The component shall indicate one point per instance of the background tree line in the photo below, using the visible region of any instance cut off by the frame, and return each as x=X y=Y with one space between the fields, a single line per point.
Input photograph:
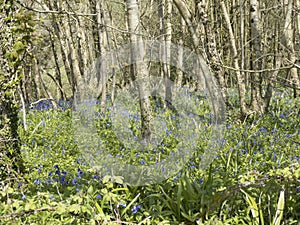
x=47 y=47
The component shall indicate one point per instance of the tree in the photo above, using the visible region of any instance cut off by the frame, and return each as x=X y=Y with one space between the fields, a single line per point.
x=139 y=67
x=15 y=40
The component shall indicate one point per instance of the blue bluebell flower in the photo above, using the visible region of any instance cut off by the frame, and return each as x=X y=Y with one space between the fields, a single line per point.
x=99 y=196
x=193 y=167
x=64 y=173
x=36 y=181
x=135 y=209
x=74 y=180
x=288 y=135
x=79 y=172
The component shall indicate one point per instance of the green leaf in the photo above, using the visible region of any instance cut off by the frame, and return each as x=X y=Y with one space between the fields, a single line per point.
x=253 y=207
x=279 y=212
x=61 y=209
x=90 y=190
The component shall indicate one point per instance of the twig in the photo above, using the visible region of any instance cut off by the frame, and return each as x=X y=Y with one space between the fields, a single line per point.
x=55 y=12
x=256 y=71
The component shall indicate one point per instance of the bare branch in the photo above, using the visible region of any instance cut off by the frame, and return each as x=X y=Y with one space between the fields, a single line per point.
x=55 y=12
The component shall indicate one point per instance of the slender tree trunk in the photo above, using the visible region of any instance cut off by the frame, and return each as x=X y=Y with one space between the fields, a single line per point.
x=217 y=102
x=58 y=81
x=36 y=79
x=289 y=38
x=240 y=78
x=58 y=30
x=73 y=56
x=179 y=72
x=210 y=43
x=257 y=102
x=140 y=68
x=165 y=12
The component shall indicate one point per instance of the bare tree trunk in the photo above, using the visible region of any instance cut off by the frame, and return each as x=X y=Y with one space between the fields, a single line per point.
x=180 y=53
x=73 y=56
x=36 y=78
x=102 y=39
x=58 y=81
x=217 y=103
x=277 y=61
x=240 y=77
x=211 y=49
x=289 y=38
x=257 y=102
x=165 y=12
x=140 y=68
x=57 y=25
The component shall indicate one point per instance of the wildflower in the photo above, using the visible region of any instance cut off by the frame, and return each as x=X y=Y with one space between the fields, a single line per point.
x=56 y=167
x=36 y=181
x=99 y=196
x=64 y=173
x=20 y=184
x=135 y=209
x=200 y=180
x=23 y=196
x=79 y=172
x=282 y=116
x=143 y=162
x=63 y=179
x=74 y=181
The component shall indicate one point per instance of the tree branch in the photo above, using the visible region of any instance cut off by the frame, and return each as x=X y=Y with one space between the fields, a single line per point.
x=55 y=12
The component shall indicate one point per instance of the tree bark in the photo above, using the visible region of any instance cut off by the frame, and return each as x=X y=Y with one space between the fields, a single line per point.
x=257 y=103
x=240 y=78
x=292 y=57
x=139 y=66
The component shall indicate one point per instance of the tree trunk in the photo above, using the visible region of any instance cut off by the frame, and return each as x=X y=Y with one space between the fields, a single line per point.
x=257 y=103
x=292 y=57
x=165 y=13
x=210 y=43
x=240 y=78
x=139 y=66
